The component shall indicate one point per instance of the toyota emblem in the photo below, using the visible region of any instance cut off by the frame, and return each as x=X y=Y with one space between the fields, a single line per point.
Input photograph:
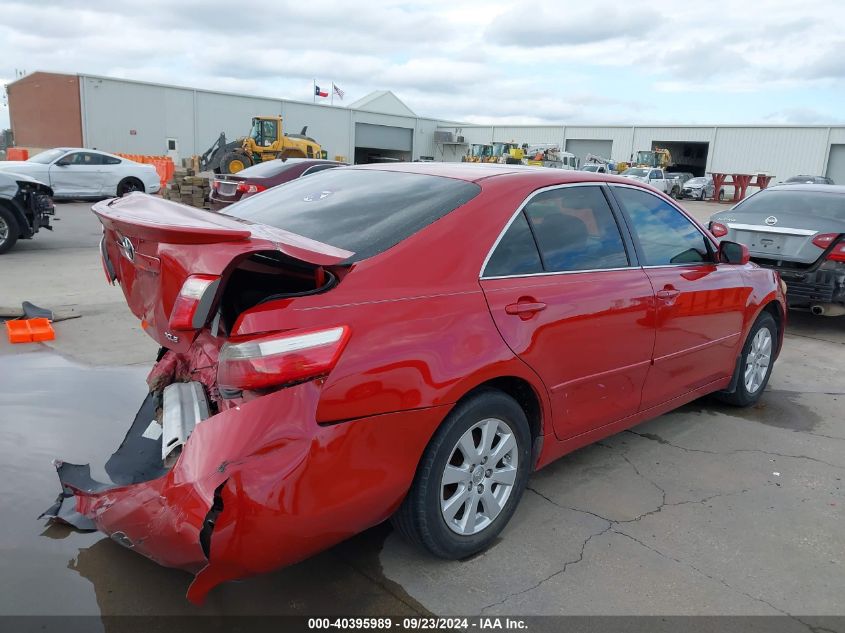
x=126 y=248
x=771 y=220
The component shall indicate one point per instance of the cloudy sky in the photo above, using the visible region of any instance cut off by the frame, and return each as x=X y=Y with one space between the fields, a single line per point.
x=766 y=61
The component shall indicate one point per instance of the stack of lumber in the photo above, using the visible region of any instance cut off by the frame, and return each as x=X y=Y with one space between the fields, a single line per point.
x=188 y=188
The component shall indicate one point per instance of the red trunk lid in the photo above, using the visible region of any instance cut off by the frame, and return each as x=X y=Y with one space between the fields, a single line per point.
x=154 y=245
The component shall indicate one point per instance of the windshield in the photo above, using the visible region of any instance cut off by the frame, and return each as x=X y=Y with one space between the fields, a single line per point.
x=830 y=206
x=697 y=181
x=360 y=210
x=47 y=156
x=645 y=157
x=481 y=150
x=635 y=171
x=590 y=168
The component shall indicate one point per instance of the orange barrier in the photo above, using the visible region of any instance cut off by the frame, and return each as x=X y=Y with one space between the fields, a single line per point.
x=29 y=330
x=163 y=164
x=17 y=153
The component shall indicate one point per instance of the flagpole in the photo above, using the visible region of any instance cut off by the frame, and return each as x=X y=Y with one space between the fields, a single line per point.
x=332 y=103
x=314 y=90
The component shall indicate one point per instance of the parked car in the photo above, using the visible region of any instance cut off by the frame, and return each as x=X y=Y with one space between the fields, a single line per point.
x=78 y=173
x=657 y=178
x=680 y=176
x=595 y=168
x=409 y=340
x=809 y=180
x=701 y=188
x=799 y=232
x=229 y=188
x=26 y=206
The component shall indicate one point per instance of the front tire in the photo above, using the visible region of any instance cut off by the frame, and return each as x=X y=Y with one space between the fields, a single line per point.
x=702 y=197
x=755 y=363
x=233 y=162
x=129 y=185
x=470 y=479
x=9 y=230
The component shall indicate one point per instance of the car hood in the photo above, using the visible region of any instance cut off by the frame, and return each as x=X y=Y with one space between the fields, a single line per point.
x=12 y=165
x=779 y=235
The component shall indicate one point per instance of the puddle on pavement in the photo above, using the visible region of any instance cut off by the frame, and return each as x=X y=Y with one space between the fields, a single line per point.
x=781 y=409
x=52 y=408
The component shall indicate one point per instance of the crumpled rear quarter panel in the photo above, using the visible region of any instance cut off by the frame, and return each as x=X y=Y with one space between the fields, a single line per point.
x=292 y=487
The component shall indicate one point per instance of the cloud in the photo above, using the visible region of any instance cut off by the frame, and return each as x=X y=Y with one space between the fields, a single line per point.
x=555 y=24
x=469 y=60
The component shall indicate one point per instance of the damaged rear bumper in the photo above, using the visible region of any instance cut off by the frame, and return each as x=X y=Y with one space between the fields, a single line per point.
x=257 y=486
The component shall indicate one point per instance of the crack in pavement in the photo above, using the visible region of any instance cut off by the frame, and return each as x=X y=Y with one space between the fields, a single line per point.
x=721 y=581
x=656 y=438
x=566 y=566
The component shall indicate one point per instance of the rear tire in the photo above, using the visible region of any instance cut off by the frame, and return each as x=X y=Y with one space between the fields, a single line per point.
x=479 y=460
x=128 y=185
x=9 y=230
x=233 y=162
x=755 y=363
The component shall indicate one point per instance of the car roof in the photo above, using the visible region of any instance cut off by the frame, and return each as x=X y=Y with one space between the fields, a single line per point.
x=799 y=186
x=474 y=172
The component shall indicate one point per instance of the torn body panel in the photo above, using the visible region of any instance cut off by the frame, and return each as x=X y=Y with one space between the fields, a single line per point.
x=257 y=486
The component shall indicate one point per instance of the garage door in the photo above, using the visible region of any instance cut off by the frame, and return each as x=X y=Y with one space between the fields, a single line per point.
x=583 y=146
x=836 y=164
x=383 y=137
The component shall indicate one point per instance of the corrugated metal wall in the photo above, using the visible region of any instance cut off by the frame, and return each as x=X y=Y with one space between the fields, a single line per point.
x=780 y=151
x=113 y=108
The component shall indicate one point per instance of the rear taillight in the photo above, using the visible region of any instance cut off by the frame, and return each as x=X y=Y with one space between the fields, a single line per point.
x=270 y=361
x=193 y=302
x=823 y=240
x=837 y=254
x=718 y=229
x=244 y=187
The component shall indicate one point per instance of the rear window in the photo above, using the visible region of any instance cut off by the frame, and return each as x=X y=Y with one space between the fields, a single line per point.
x=796 y=200
x=363 y=211
x=267 y=169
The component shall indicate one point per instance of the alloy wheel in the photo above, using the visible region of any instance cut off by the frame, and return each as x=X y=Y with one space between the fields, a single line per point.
x=758 y=359
x=479 y=476
x=4 y=230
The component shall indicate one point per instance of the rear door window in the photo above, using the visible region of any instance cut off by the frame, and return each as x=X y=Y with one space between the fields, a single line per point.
x=576 y=230
x=516 y=253
x=365 y=211
x=665 y=235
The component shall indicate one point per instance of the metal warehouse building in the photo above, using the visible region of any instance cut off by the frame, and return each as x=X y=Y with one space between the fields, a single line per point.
x=49 y=109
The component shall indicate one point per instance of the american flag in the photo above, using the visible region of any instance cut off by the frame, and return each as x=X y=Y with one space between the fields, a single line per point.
x=338 y=91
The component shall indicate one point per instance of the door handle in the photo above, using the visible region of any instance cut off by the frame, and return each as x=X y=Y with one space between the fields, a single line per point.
x=668 y=293
x=525 y=309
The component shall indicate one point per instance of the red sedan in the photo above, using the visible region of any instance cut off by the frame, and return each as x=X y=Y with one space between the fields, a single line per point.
x=406 y=341
x=229 y=188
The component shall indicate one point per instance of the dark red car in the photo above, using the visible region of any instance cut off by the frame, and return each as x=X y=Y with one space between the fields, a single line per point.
x=406 y=341
x=229 y=188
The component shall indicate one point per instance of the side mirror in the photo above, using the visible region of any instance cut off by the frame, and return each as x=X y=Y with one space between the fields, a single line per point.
x=62 y=163
x=733 y=253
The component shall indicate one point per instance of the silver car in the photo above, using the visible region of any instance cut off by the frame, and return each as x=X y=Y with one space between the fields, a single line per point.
x=701 y=188
x=800 y=232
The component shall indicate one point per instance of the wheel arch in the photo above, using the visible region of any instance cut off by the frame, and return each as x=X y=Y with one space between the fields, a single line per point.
x=24 y=229
x=528 y=399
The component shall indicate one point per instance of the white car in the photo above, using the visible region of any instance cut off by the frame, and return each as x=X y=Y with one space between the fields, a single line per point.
x=75 y=172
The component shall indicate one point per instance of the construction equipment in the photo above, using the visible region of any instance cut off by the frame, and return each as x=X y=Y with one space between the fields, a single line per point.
x=506 y=153
x=478 y=153
x=549 y=155
x=612 y=165
x=266 y=141
x=659 y=157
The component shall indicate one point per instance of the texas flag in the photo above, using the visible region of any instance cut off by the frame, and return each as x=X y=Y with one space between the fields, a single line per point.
x=319 y=93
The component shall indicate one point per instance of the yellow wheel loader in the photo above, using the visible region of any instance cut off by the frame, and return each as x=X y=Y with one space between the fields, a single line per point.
x=266 y=141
